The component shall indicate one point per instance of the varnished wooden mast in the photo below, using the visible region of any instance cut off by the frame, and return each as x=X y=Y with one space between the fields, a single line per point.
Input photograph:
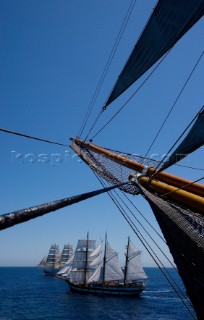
x=191 y=195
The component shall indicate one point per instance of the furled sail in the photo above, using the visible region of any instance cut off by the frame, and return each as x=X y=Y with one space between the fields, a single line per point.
x=193 y=141
x=134 y=267
x=168 y=23
x=113 y=270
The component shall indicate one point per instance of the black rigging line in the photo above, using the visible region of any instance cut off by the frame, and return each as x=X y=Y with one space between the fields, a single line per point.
x=181 y=135
x=96 y=120
x=32 y=137
x=175 y=102
x=154 y=243
x=147 y=246
x=189 y=167
x=128 y=208
x=107 y=66
x=144 y=218
x=151 y=236
x=153 y=160
x=181 y=188
x=94 y=123
x=125 y=104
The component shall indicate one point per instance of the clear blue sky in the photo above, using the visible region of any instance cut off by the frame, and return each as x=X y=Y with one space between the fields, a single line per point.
x=52 y=56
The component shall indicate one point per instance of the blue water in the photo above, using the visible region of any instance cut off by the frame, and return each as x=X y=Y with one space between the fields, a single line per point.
x=26 y=294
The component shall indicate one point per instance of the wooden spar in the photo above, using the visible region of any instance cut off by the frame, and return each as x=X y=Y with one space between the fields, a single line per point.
x=181 y=197
x=178 y=182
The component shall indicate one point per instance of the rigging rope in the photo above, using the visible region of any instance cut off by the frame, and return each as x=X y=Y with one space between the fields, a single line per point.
x=128 y=208
x=156 y=161
x=181 y=135
x=125 y=104
x=144 y=217
x=181 y=188
x=173 y=266
x=175 y=102
x=189 y=167
x=180 y=93
x=148 y=248
x=107 y=66
x=32 y=137
x=10 y=219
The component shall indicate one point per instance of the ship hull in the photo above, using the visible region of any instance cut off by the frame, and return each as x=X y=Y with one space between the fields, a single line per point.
x=50 y=271
x=107 y=289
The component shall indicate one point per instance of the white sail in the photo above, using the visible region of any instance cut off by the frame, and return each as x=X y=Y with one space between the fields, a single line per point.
x=79 y=261
x=53 y=257
x=42 y=262
x=65 y=255
x=97 y=251
x=96 y=275
x=135 y=270
x=77 y=273
x=96 y=261
x=65 y=271
x=77 y=276
x=82 y=244
x=96 y=255
x=113 y=270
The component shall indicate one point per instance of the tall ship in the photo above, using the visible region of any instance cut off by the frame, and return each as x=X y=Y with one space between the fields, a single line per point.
x=65 y=255
x=50 y=264
x=95 y=274
x=176 y=202
x=56 y=261
x=81 y=268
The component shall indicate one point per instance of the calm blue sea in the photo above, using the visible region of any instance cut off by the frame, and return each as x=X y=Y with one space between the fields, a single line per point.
x=26 y=294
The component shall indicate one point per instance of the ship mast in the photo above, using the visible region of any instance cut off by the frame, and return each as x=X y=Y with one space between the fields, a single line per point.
x=126 y=261
x=104 y=260
x=189 y=193
x=86 y=259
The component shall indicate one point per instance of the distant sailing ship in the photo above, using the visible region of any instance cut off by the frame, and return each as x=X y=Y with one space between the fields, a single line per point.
x=91 y=274
x=54 y=261
x=65 y=255
x=177 y=203
x=67 y=261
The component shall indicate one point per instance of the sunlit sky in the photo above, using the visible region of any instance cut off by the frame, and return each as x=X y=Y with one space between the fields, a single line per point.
x=52 y=56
